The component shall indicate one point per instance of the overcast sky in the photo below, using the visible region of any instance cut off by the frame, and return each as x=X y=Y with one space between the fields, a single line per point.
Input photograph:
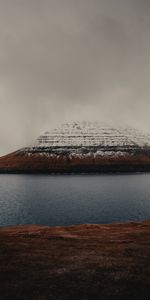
x=63 y=60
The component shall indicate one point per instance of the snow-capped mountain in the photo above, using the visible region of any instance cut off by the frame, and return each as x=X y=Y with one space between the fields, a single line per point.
x=86 y=137
x=85 y=147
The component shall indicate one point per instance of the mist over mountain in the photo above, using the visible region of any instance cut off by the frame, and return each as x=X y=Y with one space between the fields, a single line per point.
x=72 y=60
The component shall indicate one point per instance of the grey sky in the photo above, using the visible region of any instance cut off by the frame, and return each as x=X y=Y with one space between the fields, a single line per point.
x=72 y=59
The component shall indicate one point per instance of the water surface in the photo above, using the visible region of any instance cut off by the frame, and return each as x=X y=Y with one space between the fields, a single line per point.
x=73 y=199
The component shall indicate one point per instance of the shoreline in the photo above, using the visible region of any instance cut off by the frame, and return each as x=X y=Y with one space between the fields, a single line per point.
x=113 y=172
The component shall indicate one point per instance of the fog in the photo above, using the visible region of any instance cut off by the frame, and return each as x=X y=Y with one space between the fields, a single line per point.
x=63 y=60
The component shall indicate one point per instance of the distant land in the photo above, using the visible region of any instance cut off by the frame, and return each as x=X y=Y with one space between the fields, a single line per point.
x=82 y=147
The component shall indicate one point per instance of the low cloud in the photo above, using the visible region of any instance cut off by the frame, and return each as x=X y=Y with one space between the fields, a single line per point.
x=67 y=60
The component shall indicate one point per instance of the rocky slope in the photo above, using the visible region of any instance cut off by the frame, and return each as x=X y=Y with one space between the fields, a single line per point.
x=78 y=262
x=83 y=147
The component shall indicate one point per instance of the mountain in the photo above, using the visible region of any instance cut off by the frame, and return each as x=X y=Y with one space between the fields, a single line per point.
x=82 y=147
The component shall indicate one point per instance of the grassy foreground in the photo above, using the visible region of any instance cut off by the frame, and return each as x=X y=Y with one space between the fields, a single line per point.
x=76 y=262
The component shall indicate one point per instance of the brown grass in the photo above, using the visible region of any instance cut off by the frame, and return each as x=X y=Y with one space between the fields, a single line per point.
x=77 y=262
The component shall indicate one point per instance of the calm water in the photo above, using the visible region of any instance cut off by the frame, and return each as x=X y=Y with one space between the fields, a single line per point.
x=73 y=199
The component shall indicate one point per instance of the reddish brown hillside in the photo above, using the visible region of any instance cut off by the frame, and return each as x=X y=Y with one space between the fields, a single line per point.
x=36 y=162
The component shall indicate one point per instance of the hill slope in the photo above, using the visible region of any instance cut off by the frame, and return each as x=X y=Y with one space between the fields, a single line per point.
x=83 y=147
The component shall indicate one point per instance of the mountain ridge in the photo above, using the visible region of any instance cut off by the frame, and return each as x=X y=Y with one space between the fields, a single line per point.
x=82 y=147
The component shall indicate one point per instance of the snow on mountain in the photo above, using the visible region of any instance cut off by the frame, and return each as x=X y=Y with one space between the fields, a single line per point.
x=82 y=147
x=85 y=138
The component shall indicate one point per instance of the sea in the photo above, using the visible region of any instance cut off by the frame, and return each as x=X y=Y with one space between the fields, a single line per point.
x=62 y=200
